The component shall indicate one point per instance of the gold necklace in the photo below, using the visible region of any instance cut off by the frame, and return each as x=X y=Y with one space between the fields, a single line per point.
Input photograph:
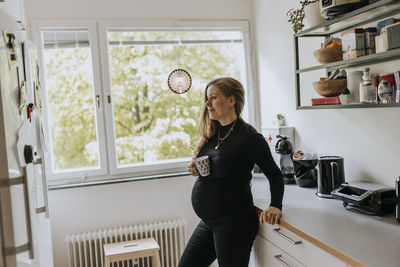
x=220 y=140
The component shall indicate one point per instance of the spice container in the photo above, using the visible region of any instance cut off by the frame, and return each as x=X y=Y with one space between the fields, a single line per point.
x=353 y=44
x=369 y=39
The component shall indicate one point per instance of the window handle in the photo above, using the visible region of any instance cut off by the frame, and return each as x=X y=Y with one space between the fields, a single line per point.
x=98 y=101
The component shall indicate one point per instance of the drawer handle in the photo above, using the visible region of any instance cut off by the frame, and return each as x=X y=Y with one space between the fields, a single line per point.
x=277 y=230
x=279 y=259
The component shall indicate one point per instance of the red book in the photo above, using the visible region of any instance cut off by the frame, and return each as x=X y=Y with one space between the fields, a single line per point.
x=325 y=101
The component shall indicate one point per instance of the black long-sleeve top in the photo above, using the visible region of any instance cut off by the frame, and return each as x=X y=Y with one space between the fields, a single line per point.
x=227 y=188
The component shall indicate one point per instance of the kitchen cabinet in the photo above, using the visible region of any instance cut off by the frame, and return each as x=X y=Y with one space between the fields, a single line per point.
x=272 y=256
x=277 y=246
x=357 y=18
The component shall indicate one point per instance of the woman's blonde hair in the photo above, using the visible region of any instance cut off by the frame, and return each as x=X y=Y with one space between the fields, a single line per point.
x=229 y=87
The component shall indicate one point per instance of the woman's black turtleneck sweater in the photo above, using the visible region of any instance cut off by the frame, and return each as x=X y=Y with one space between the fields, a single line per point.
x=226 y=190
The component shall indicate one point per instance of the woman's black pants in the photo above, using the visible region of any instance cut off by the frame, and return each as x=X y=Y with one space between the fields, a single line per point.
x=229 y=241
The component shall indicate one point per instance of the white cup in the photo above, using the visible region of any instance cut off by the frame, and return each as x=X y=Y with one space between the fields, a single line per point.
x=203 y=165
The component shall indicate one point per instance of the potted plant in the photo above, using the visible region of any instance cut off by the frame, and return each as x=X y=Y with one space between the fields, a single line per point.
x=280 y=119
x=309 y=9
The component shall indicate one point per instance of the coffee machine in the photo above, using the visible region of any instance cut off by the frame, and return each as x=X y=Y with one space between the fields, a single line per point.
x=285 y=148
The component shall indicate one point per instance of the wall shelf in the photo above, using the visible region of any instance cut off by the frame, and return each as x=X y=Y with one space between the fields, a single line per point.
x=360 y=61
x=389 y=105
x=360 y=16
x=364 y=15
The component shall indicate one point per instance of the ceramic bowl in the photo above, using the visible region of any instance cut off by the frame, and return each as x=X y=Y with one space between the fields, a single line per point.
x=330 y=88
x=328 y=55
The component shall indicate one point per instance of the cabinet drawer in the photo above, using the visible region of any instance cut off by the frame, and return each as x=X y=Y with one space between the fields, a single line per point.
x=299 y=248
x=272 y=256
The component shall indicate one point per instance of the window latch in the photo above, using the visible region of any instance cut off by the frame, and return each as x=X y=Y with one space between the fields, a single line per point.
x=98 y=101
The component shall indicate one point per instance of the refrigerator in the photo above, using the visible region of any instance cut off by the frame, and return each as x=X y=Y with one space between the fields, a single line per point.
x=25 y=233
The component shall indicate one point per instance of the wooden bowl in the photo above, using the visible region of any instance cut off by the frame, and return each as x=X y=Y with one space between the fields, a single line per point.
x=329 y=55
x=330 y=88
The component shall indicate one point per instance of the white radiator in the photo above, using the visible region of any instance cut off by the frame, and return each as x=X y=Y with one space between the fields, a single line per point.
x=86 y=249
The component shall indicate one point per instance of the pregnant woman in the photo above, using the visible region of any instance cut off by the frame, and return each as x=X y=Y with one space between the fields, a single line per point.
x=223 y=199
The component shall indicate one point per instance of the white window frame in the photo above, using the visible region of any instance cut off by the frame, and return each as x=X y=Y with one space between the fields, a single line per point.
x=168 y=165
x=104 y=120
x=37 y=26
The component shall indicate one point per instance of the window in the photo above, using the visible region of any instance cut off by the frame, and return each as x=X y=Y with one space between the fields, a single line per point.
x=149 y=128
x=72 y=116
x=152 y=123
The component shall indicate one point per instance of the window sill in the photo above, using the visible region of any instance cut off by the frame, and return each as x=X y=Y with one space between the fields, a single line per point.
x=85 y=183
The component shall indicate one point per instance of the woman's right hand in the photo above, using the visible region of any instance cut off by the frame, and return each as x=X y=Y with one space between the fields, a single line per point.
x=192 y=169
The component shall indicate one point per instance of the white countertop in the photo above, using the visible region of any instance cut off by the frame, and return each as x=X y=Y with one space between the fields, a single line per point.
x=373 y=240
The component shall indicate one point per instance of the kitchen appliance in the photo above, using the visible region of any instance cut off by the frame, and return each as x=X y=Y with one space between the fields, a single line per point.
x=285 y=148
x=331 y=175
x=270 y=134
x=305 y=172
x=25 y=234
x=367 y=198
x=333 y=8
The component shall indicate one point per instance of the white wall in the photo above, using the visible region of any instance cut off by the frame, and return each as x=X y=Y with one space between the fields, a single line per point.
x=74 y=210
x=115 y=205
x=150 y=9
x=368 y=139
x=14 y=8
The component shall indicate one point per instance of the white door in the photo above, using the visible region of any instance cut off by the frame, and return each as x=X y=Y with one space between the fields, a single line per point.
x=14 y=204
x=21 y=227
x=41 y=231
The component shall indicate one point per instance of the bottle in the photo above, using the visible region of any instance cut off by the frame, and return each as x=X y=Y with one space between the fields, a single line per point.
x=397 y=79
x=375 y=81
x=367 y=89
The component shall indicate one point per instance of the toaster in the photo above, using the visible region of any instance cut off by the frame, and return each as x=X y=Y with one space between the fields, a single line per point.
x=367 y=198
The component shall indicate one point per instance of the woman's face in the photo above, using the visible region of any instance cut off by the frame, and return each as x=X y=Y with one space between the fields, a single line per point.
x=219 y=106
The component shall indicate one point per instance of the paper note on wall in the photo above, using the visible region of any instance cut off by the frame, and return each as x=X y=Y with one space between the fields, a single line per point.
x=43 y=143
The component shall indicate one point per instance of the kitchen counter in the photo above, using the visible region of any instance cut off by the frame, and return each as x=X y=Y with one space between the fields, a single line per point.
x=372 y=240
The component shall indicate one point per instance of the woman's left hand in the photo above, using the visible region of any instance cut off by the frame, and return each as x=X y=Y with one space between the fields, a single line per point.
x=270 y=215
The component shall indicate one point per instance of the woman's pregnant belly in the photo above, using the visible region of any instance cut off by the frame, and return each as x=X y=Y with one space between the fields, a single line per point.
x=213 y=200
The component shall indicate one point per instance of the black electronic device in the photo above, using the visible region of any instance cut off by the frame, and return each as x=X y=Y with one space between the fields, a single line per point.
x=333 y=8
x=367 y=198
x=285 y=148
x=305 y=172
x=331 y=175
